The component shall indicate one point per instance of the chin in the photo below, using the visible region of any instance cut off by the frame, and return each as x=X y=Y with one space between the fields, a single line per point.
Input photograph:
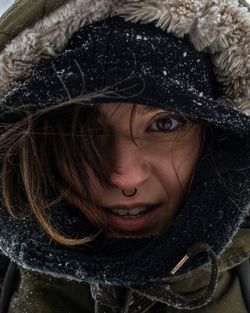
x=129 y=235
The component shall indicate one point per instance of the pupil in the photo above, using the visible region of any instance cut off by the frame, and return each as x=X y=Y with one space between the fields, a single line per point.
x=162 y=122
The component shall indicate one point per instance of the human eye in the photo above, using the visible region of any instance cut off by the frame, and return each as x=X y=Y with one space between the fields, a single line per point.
x=167 y=123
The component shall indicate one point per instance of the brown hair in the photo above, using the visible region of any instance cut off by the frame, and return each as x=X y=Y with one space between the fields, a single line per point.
x=37 y=154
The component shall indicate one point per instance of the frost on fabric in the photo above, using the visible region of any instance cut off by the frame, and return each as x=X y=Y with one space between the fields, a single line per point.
x=220 y=27
x=184 y=89
x=111 y=261
x=167 y=71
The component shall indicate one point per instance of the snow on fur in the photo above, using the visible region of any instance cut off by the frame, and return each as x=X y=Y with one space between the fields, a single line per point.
x=219 y=27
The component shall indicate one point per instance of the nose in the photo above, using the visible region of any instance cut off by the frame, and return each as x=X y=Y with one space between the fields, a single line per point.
x=132 y=169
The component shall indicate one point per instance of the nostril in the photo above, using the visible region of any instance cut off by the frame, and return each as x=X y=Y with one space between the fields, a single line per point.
x=130 y=178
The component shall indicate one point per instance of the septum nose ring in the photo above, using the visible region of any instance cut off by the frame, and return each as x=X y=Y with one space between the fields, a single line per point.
x=129 y=193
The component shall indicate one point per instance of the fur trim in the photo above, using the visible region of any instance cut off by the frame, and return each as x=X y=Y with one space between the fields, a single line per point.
x=219 y=27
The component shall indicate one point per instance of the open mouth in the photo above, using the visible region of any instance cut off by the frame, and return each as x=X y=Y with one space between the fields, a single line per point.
x=133 y=219
x=132 y=213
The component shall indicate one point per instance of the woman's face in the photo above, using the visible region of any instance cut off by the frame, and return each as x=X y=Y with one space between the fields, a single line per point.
x=160 y=167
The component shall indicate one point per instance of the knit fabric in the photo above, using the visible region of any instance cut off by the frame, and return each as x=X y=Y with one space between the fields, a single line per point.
x=131 y=62
x=212 y=213
x=216 y=205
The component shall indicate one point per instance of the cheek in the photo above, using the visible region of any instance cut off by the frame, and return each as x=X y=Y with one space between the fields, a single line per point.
x=184 y=163
x=174 y=167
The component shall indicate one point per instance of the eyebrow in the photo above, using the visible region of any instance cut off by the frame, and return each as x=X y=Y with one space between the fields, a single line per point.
x=145 y=109
x=148 y=108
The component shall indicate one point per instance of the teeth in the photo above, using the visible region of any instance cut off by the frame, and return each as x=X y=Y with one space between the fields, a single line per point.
x=132 y=212
x=138 y=210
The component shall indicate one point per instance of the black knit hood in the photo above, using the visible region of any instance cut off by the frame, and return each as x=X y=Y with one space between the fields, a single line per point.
x=220 y=193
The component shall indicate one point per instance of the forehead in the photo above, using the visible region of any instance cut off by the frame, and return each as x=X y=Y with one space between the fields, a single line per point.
x=144 y=109
x=118 y=106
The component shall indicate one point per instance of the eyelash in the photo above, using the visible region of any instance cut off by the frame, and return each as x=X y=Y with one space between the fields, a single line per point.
x=169 y=119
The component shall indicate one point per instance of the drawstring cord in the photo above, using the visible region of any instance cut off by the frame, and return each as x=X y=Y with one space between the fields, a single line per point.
x=162 y=292
x=97 y=307
x=8 y=288
x=126 y=306
x=128 y=300
x=158 y=291
x=118 y=294
x=198 y=302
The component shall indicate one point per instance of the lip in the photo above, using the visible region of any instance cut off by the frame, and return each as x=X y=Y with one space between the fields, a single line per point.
x=135 y=224
x=130 y=207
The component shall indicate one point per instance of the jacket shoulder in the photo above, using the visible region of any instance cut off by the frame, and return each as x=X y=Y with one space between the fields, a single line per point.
x=23 y=14
x=4 y=262
x=42 y=293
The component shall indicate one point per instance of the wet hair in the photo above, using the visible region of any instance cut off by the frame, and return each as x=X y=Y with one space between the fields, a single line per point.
x=42 y=152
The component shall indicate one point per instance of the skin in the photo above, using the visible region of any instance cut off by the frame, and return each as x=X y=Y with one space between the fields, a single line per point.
x=160 y=166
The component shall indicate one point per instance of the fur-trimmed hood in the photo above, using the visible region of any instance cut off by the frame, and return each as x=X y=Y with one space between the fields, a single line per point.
x=217 y=205
x=218 y=27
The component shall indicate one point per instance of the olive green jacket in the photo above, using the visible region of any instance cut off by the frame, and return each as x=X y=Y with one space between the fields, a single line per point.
x=23 y=14
x=41 y=293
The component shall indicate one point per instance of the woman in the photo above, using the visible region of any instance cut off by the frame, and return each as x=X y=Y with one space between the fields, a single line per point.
x=125 y=157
